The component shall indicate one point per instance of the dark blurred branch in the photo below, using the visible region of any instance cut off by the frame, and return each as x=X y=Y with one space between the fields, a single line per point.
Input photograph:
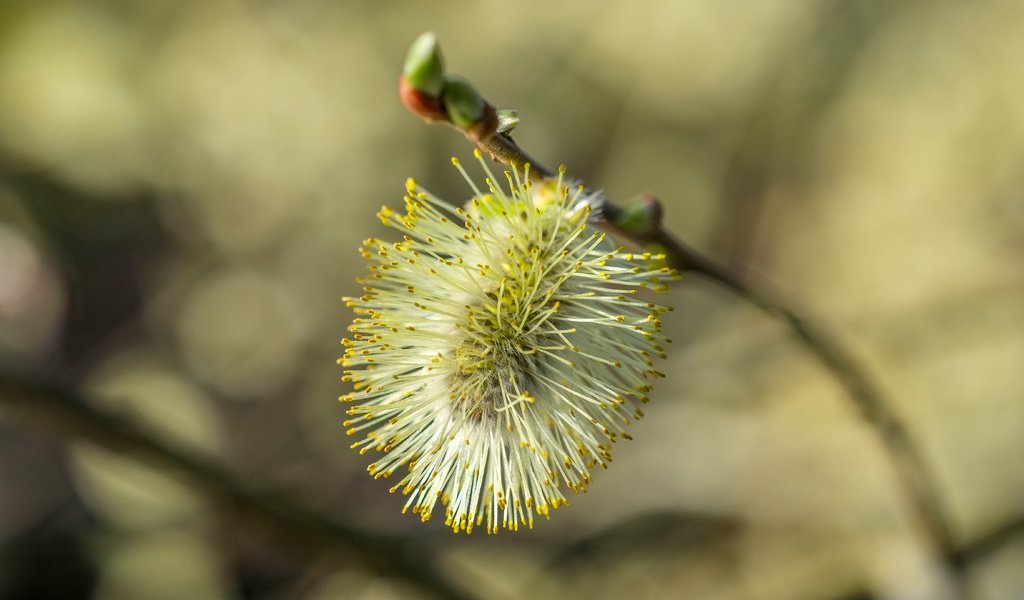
x=424 y=89
x=301 y=533
x=646 y=537
x=990 y=543
x=879 y=411
x=673 y=532
x=656 y=532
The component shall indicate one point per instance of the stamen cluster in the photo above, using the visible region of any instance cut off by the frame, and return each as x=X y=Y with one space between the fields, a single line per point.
x=499 y=349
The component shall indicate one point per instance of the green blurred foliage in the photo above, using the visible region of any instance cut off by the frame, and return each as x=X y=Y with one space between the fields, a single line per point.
x=183 y=186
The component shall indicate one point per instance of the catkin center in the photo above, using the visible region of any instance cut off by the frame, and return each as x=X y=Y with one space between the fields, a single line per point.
x=496 y=359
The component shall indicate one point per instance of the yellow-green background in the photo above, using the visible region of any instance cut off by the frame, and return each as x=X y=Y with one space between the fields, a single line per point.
x=183 y=186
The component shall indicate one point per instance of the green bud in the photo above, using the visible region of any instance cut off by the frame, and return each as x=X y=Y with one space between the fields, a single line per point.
x=641 y=216
x=507 y=120
x=464 y=105
x=424 y=69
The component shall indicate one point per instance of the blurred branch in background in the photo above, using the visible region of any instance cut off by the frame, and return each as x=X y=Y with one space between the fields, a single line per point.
x=304 y=535
x=642 y=533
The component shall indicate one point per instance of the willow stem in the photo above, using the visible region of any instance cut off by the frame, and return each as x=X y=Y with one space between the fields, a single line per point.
x=871 y=403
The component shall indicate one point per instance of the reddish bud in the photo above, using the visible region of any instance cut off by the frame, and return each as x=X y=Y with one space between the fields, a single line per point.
x=419 y=103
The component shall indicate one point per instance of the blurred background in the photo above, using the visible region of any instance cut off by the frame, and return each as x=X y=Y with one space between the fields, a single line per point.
x=184 y=184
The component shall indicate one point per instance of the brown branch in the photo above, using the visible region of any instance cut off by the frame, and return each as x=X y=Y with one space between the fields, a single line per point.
x=914 y=474
x=641 y=222
x=301 y=533
x=879 y=411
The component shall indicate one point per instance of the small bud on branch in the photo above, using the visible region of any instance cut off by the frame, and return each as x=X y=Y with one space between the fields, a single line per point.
x=462 y=102
x=424 y=67
x=641 y=218
x=435 y=96
x=507 y=120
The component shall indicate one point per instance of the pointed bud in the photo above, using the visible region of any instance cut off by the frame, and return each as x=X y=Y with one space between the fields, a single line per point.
x=507 y=120
x=464 y=105
x=424 y=68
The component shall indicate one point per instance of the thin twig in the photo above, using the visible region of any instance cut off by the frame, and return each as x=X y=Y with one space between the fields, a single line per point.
x=988 y=544
x=427 y=91
x=914 y=474
x=302 y=533
x=873 y=405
